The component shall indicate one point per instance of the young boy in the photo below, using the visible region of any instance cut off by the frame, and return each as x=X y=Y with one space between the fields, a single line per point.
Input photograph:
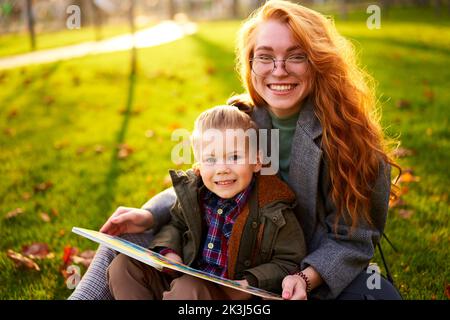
x=228 y=220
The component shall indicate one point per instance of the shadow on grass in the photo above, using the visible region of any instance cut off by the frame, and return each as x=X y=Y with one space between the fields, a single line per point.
x=403 y=43
x=107 y=197
x=221 y=61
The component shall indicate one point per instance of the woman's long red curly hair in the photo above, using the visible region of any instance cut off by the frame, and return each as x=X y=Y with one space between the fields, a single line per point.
x=344 y=99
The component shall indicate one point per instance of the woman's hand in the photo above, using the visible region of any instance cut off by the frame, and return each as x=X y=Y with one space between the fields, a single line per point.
x=294 y=288
x=128 y=220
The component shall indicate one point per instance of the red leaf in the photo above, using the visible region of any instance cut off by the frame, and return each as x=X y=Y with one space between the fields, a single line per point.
x=69 y=252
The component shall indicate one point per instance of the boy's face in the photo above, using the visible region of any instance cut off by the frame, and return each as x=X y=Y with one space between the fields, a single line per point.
x=226 y=166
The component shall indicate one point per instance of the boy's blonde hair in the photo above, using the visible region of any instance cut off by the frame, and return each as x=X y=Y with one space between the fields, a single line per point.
x=221 y=118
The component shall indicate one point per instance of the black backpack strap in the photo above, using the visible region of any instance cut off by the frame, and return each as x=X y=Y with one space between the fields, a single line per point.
x=388 y=272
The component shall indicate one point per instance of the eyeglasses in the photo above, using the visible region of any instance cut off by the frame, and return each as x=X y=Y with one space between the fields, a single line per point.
x=265 y=65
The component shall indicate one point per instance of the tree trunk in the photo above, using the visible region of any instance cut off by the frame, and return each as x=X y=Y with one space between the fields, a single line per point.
x=235 y=9
x=132 y=30
x=30 y=23
x=172 y=8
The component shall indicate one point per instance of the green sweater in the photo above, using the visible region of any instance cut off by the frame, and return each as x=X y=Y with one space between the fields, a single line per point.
x=287 y=129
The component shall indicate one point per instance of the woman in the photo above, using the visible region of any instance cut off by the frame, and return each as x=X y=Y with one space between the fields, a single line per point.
x=301 y=77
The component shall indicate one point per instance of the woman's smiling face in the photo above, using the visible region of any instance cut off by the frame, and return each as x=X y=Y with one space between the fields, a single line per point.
x=282 y=91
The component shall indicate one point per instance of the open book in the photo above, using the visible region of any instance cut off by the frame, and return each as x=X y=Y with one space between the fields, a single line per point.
x=159 y=262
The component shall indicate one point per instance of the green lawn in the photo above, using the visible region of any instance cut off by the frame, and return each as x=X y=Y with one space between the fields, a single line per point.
x=61 y=123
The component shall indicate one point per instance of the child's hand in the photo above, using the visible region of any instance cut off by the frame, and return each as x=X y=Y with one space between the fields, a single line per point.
x=127 y=220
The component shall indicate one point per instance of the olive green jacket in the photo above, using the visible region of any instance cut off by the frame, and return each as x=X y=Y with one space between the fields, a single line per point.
x=266 y=241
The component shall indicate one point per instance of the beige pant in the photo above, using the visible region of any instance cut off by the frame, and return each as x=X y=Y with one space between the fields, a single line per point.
x=131 y=279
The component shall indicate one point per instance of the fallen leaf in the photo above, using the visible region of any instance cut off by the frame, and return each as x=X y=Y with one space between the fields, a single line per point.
x=69 y=252
x=81 y=150
x=403 y=152
x=99 y=148
x=38 y=250
x=26 y=196
x=21 y=260
x=403 y=104
x=48 y=100
x=14 y=213
x=396 y=203
x=211 y=70
x=44 y=186
x=61 y=232
x=174 y=126
x=124 y=151
x=429 y=132
x=405 y=214
x=149 y=133
x=58 y=145
x=44 y=216
x=429 y=94
x=85 y=258
x=408 y=177
x=10 y=132
x=54 y=212
x=13 y=113
x=447 y=291
x=167 y=182
x=76 y=81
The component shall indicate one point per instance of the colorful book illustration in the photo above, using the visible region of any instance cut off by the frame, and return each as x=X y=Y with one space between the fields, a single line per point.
x=159 y=262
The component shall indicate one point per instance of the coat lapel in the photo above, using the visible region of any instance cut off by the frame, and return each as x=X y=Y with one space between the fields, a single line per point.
x=305 y=161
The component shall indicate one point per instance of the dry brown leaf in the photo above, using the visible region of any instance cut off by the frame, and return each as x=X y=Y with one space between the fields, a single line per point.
x=405 y=214
x=13 y=113
x=54 y=212
x=149 y=133
x=14 y=213
x=10 y=132
x=174 y=126
x=22 y=261
x=44 y=216
x=44 y=186
x=26 y=196
x=447 y=291
x=403 y=152
x=167 y=182
x=211 y=70
x=38 y=250
x=408 y=177
x=81 y=150
x=85 y=258
x=403 y=104
x=124 y=151
x=396 y=203
x=99 y=148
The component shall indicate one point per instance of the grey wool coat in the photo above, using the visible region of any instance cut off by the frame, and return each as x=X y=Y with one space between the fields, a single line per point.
x=338 y=256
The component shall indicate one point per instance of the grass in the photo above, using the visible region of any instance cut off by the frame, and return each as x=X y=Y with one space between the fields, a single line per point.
x=54 y=117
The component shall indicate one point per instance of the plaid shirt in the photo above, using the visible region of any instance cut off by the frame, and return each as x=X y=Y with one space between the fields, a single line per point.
x=219 y=216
